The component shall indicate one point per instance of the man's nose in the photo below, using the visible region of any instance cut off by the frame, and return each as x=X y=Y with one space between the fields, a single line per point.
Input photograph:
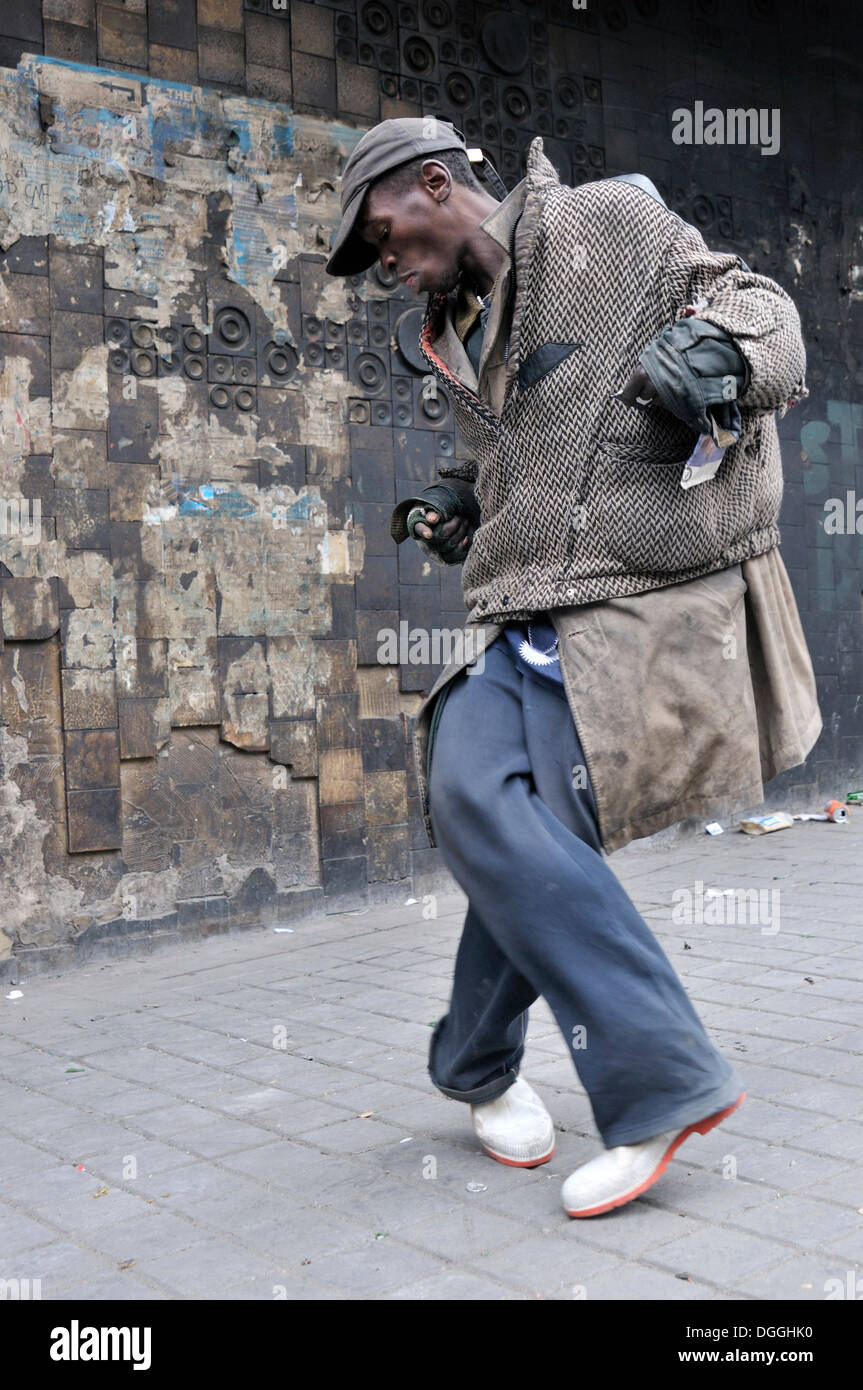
x=388 y=259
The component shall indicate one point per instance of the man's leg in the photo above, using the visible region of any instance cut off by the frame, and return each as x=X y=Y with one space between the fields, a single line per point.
x=476 y=1049
x=542 y=892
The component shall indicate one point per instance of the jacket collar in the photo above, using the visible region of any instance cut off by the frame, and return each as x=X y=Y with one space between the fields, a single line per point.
x=512 y=224
x=539 y=177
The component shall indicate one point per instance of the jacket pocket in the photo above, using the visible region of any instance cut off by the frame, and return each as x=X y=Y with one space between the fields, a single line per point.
x=649 y=523
x=542 y=361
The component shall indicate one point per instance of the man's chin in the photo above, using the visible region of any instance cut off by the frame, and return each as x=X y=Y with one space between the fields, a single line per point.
x=442 y=284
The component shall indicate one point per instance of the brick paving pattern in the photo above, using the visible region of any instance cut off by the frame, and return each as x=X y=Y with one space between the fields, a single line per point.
x=250 y=1116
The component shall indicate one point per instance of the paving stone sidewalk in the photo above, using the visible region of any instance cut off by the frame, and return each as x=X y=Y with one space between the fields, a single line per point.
x=250 y=1116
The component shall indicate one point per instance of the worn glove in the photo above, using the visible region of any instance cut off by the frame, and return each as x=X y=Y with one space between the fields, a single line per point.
x=696 y=372
x=450 y=499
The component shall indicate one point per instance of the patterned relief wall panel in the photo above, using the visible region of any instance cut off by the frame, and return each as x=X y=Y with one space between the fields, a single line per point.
x=197 y=727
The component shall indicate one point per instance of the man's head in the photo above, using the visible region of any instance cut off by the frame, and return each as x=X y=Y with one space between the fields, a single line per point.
x=411 y=199
x=420 y=218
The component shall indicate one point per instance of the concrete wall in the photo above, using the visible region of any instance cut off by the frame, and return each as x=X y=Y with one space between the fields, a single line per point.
x=202 y=435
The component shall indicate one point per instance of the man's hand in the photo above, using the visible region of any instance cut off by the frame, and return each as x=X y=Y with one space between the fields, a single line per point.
x=452 y=539
x=442 y=520
x=638 y=391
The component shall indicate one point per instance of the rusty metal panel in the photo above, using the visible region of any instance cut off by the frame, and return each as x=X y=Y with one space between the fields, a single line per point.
x=89 y=699
x=30 y=691
x=294 y=742
x=95 y=821
x=92 y=759
x=29 y=609
x=137 y=728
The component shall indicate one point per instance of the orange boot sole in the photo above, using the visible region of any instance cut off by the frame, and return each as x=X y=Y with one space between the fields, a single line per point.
x=700 y=1127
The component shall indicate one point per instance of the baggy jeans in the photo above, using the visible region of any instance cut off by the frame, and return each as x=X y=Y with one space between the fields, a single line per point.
x=514 y=816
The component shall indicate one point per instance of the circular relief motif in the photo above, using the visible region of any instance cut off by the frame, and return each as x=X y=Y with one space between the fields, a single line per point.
x=436 y=408
x=117 y=333
x=369 y=373
x=143 y=335
x=459 y=89
x=220 y=397
x=702 y=210
x=505 y=40
x=568 y=93
x=193 y=341
x=194 y=368
x=281 y=359
x=244 y=398
x=377 y=19
x=232 y=328
x=437 y=13
x=516 y=103
x=386 y=278
x=419 y=55
x=407 y=336
x=143 y=363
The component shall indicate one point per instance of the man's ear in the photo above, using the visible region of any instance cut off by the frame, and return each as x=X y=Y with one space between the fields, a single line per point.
x=437 y=179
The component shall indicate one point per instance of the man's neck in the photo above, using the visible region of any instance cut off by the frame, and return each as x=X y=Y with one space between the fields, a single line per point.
x=482 y=257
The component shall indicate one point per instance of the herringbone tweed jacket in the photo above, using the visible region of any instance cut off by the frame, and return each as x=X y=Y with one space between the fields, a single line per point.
x=580 y=494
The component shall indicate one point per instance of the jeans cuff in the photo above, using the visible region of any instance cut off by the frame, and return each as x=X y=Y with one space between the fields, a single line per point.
x=690 y=1112
x=489 y=1091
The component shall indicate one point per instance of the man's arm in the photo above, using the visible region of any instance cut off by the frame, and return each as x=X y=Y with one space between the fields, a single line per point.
x=735 y=341
x=754 y=311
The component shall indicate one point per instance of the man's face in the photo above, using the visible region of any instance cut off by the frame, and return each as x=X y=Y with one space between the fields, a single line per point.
x=415 y=234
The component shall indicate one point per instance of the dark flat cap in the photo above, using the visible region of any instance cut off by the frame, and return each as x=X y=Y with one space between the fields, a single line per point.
x=381 y=149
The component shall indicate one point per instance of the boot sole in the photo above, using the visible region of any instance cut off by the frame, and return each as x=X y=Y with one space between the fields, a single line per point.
x=519 y=1162
x=701 y=1127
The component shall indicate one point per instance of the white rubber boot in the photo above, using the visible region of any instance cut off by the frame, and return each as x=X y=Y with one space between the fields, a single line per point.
x=618 y=1175
x=515 y=1128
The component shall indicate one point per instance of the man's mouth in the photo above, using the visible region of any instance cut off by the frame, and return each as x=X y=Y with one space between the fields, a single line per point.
x=410 y=278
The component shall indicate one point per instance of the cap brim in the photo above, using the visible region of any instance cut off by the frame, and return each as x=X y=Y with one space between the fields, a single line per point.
x=350 y=254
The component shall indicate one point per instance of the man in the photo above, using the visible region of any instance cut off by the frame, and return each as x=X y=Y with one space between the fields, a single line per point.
x=643 y=659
